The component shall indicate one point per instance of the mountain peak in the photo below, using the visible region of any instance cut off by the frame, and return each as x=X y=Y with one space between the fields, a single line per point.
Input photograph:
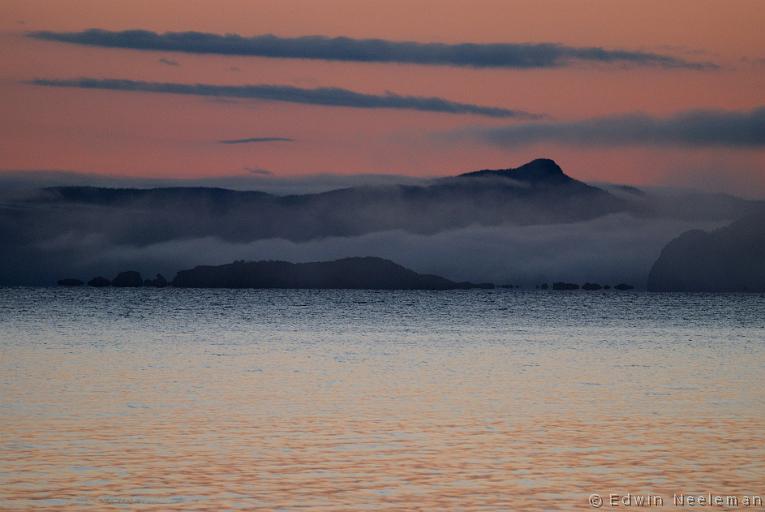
x=545 y=166
x=536 y=171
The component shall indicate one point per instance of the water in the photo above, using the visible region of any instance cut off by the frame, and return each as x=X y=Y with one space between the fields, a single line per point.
x=164 y=399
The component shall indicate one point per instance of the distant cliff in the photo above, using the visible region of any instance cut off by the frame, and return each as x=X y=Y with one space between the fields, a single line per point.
x=731 y=259
x=348 y=273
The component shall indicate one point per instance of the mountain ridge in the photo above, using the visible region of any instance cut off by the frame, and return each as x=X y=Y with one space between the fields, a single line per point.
x=63 y=230
x=543 y=195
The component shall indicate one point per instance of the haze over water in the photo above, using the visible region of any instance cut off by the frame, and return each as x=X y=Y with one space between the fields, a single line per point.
x=169 y=399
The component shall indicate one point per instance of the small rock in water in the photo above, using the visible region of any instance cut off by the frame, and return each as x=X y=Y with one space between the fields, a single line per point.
x=70 y=281
x=99 y=282
x=128 y=279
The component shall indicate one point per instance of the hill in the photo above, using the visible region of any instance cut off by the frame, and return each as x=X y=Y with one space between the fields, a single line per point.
x=347 y=273
x=731 y=259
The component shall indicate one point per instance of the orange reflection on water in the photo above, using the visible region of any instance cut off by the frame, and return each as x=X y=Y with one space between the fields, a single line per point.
x=333 y=427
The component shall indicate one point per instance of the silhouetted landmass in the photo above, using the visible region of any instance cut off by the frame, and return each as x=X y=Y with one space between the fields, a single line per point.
x=62 y=227
x=128 y=279
x=564 y=286
x=70 y=281
x=730 y=259
x=348 y=273
x=586 y=286
x=535 y=193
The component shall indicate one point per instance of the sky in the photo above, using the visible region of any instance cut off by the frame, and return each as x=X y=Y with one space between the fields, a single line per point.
x=649 y=93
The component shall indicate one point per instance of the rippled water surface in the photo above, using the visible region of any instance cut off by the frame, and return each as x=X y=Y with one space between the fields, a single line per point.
x=163 y=399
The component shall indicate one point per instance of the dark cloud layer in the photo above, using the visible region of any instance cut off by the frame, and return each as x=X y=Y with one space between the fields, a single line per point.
x=255 y=140
x=692 y=129
x=496 y=55
x=327 y=96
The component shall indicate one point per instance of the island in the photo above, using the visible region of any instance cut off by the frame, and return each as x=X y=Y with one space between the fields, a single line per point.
x=348 y=273
x=367 y=272
x=70 y=281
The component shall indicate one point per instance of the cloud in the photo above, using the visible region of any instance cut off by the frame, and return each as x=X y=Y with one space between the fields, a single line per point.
x=608 y=250
x=327 y=96
x=254 y=140
x=169 y=62
x=697 y=128
x=492 y=55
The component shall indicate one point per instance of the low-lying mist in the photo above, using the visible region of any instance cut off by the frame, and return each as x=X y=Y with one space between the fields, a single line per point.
x=522 y=226
x=611 y=249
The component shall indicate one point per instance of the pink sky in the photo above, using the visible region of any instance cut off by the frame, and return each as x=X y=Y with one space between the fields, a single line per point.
x=145 y=134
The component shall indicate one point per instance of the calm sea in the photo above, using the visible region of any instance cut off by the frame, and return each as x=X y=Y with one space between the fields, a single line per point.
x=167 y=399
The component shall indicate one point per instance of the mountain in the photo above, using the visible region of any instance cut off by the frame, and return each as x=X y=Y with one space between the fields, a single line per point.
x=730 y=259
x=347 y=273
x=536 y=193
x=46 y=233
x=542 y=171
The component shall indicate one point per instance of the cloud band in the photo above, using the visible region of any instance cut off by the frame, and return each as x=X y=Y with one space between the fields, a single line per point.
x=492 y=55
x=327 y=96
x=255 y=140
x=697 y=128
